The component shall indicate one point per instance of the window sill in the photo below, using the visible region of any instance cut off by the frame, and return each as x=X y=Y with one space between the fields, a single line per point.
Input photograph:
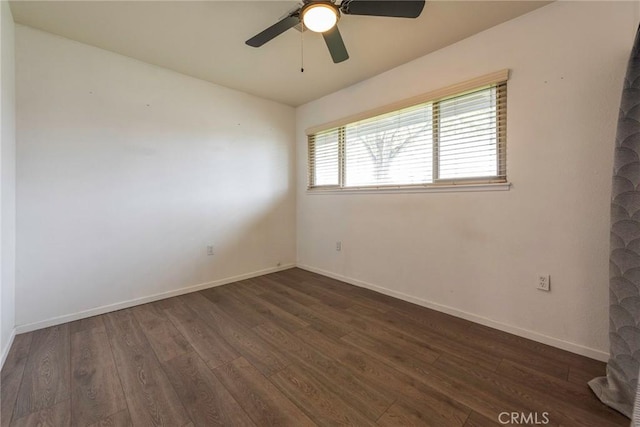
x=452 y=188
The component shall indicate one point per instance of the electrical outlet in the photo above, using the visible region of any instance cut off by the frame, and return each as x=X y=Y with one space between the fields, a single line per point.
x=544 y=282
x=338 y=246
x=210 y=250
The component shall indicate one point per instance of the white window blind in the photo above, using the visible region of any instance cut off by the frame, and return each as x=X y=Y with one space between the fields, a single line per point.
x=393 y=149
x=469 y=135
x=324 y=155
x=455 y=139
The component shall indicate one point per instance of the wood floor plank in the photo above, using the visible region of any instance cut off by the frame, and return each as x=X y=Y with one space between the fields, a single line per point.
x=46 y=378
x=273 y=285
x=86 y=324
x=58 y=415
x=204 y=339
x=477 y=420
x=249 y=285
x=431 y=399
x=432 y=321
x=271 y=312
x=166 y=340
x=555 y=387
x=399 y=357
x=479 y=392
x=95 y=384
x=362 y=395
x=407 y=331
x=431 y=318
x=595 y=367
x=459 y=331
x=540 y=362
x=527 y=398
x=290 y=348
x=260 y=399
x=320 y=403
x=150 y=397
x=225 y=299
x=11 y=377
x=266 y=358
x=402 y=414
x=325 y=296
x=378 y=335
x=119 y=419
x=349 y=319
x=579 y=377
x=315 y=319
x=362 y=310
x=203 y=395
x=365 y=297
x=574 y=397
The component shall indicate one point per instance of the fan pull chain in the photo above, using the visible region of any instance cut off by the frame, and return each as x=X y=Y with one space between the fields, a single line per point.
x=301 y=46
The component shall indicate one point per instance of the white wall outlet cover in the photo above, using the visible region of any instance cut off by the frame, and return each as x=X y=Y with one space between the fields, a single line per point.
x=544 y=282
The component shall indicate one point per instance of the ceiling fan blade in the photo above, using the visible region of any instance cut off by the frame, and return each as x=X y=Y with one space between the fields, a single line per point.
x=273 y=31
x=392 y=8
x=336 y=46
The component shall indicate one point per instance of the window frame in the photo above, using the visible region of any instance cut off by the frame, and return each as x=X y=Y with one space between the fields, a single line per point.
x=497 y=182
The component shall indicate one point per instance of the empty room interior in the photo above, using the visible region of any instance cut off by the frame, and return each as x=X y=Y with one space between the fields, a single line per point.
x=355 y=212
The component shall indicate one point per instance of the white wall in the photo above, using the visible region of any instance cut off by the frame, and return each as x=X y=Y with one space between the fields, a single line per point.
x=8 y=174
x=127 y=171
x=477 y=255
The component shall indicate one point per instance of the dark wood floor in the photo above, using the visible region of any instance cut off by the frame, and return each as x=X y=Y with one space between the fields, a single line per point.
x=291 y=348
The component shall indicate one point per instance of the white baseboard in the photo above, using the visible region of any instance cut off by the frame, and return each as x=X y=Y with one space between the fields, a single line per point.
x=5 y=350
x=20 y=329
x=525 y=333
x=535 y=336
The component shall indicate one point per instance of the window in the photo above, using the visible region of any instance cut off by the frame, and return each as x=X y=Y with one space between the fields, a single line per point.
x=457 y=138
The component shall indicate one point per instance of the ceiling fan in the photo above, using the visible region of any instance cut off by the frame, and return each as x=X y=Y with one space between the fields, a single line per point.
x=321 y=16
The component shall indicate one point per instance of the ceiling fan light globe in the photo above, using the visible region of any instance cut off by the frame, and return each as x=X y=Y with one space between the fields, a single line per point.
x=320 y=17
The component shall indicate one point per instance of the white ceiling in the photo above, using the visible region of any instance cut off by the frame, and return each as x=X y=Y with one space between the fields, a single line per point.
x=206 y=39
